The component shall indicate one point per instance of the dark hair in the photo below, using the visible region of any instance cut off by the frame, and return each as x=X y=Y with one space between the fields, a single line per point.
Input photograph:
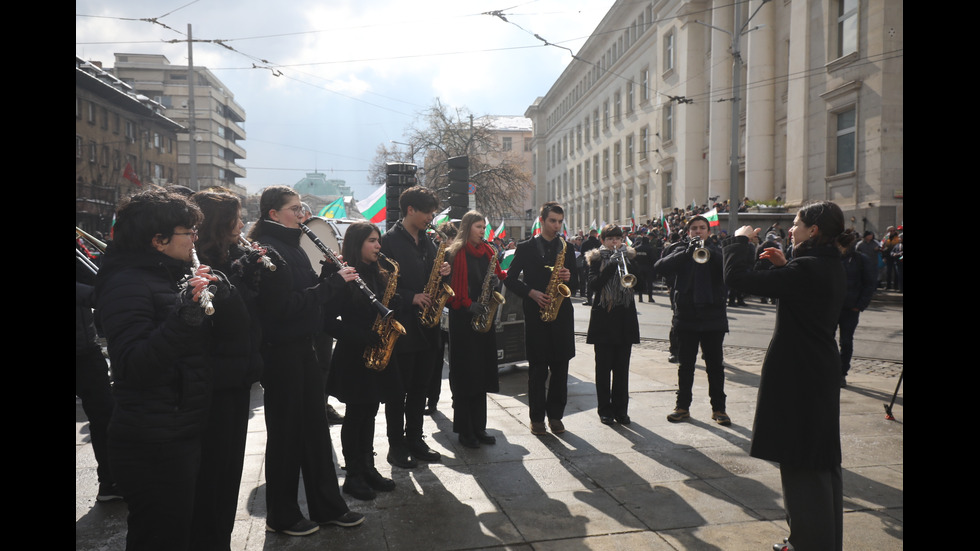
x=551 y=207
x=827 y=216
x=611 y=230
x=419 y=198
x=151 y=213
x=273 y=198
x=449 y=228
x=221 y=210
x=695 y=219
x=847 y=239
x=354 y=238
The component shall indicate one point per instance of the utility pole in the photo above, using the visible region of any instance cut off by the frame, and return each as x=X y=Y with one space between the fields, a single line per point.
x=736 y=37
x=191 y=126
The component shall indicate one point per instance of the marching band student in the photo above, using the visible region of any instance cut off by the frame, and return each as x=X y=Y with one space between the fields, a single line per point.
x=700 y=318
x=472 y=354
x=407 y=244
x=360 y=388
x=613 y=326
x=236 y=364
x=291 y=303
x=549 y=344
x=158 y=340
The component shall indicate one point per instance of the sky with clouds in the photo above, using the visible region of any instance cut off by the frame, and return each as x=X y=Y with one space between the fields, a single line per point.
x=324 y=83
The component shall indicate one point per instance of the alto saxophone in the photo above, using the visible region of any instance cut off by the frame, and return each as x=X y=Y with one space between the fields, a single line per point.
x=388 y=329
x=557 y=290
x=438 y=291
x=489 y=298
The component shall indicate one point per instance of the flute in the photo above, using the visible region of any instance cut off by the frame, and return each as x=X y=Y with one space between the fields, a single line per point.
x=206 y=294
x=266 y=261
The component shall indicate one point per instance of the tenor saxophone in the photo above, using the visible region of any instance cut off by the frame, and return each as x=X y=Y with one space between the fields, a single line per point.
x=557 y=290
x=489 y=298
x=438 y=291
x=388 y=329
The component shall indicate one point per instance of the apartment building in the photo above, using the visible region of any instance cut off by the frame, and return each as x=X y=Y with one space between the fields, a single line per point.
x=215 y=127
x=123 y=141
x=641 y=120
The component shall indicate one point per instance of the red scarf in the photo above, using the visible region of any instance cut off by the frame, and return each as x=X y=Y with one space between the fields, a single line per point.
x=460 y=281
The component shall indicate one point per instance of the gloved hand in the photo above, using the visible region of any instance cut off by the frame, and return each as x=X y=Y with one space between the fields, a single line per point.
x=477 y=309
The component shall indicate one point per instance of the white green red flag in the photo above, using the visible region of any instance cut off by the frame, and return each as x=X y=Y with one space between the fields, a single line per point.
x=373 y=208
x=488 y=230
x=500 y=232
x=536 y=228
x=507 y=259
x=712 y=216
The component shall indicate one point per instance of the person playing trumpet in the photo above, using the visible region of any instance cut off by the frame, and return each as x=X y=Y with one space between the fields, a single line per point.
x=472 y=353
x=613 y=326
x=694 y=268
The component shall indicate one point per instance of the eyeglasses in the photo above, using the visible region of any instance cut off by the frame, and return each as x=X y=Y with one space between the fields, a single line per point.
x=192 y=233
x=297 y=210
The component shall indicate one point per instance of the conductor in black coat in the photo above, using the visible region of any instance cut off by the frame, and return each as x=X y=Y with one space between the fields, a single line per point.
x=550 y=345
x=797 y=417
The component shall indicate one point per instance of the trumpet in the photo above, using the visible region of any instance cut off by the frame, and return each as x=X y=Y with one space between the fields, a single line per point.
x=266 y=261
x=79 y=232
x=701 y=253
x=626 y=279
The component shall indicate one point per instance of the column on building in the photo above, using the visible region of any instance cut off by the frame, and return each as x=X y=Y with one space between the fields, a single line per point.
x=797 y=104
x=759 y=103
x=689 y=117
x=719 y=137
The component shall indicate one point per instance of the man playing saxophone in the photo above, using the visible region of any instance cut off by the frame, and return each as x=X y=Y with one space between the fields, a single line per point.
x=546 y=283
x=407 y=244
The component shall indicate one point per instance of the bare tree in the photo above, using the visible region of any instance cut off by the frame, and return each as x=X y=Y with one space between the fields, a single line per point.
x=385 y=154
x=441 y=133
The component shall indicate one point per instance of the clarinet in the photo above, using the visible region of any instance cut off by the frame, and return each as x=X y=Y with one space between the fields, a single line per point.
x=383 y=310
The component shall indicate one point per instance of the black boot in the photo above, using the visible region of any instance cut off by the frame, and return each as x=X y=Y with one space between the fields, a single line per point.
x=420 y=450
x=354 y=484
x=399 y=456
x=374 y=479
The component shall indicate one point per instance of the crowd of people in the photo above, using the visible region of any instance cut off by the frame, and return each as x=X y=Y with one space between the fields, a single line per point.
x=194 y=314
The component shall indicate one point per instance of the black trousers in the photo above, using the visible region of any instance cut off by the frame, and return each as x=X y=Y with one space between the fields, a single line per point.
x=814 y=500
x=847 y=323
x=298 y=437
x=612 y=371
x=158 y=481
x=404 y=415
x=470 y=414
x=357 y=436
x=687 y=352
x=547 y=395
x=92 y=386
x=220 y=477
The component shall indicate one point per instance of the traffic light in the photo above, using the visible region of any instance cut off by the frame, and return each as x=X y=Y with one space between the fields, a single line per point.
x=459 y=186
x=398 y=178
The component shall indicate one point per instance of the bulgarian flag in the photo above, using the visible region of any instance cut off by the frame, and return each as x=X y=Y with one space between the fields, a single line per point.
x=373 y=208
x=633 y=220
x=592 y=225
x=712 y=216
x=337 y=209
x=536 y=228
x=488 y=231
x=664 y=220
x=500 y=232
x=441 y=217
x=507 y=259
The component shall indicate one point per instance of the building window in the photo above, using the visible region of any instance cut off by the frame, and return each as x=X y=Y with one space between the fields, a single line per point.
x=629 y=97
x=605 y=163
x=527 y=144
x=105 y=118
x=644 y=206
x=605 y=115
x=585 y=171
x=845 y=141
x=667 y=132
x=617 y=150
x=587 y=131
x=644 y=142
x=93 y=152
x=617 y=107
x=79 y=146
x=669 y=51
x=507 y=144
x=645 y=85
x=629 y=150
x=91 y=113
x=668 y=187
x=847 y=27
x=595 y=124
x=595 y=169
x=578 y=137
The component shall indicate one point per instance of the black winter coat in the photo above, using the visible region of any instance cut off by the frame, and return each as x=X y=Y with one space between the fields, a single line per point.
x=698 y=290
x=160 y=367
x=551 y=341
x=797 y=417
x=415 y=265
x=472 y=355
x=618 y=325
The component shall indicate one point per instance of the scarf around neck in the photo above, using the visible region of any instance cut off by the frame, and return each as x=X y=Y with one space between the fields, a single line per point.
x=460 y=276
